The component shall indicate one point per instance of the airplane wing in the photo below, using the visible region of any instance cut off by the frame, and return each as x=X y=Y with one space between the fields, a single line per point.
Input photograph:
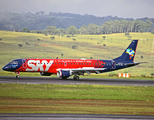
x=81 y=71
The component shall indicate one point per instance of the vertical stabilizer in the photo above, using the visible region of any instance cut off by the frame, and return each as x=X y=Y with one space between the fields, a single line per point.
x=129 y=53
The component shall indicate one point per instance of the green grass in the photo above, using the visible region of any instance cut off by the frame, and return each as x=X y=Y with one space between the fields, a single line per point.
x=96 y=92
x=77 y=99
x=86 y=47
x=8 y=105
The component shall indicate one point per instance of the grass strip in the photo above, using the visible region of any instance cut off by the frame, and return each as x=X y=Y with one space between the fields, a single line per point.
x=77 y=99
x=9 y=105
x=84 y=92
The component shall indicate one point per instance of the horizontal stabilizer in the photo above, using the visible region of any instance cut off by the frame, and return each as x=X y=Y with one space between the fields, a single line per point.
x=135 y=63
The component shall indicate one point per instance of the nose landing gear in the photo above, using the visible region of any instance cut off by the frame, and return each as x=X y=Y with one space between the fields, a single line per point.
x=17 y=76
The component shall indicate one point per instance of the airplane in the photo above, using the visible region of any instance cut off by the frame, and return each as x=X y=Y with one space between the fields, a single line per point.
x=65 y=68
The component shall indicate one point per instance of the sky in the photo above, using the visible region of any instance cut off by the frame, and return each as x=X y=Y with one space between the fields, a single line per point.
x=101 y=8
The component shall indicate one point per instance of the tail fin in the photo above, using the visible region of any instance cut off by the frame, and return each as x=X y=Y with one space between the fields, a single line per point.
x=129 y=53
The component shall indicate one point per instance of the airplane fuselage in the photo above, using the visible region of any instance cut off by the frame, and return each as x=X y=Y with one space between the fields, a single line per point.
x=54 y=65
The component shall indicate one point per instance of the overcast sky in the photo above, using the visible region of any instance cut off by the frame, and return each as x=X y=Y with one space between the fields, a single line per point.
x=120 y=8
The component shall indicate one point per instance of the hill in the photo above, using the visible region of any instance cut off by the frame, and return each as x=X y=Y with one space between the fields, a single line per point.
x=40 y=21
x=15 y=45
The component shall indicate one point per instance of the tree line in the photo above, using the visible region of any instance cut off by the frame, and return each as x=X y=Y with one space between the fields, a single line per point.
x=40 y=21
x=109 y=27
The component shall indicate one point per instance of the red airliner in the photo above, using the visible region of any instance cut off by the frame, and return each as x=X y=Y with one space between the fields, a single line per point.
x=65 y=68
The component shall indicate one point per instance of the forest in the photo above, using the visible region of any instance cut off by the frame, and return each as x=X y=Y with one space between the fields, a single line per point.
x=67 y=23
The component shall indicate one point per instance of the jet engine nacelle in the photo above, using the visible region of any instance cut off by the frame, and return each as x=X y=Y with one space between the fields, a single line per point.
x=64 y=73
x=45 y=74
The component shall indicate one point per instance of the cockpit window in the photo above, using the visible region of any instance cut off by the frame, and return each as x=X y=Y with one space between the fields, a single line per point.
x=14 y=62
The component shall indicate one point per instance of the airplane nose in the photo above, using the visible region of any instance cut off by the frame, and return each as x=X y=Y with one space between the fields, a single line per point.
x=6 y=67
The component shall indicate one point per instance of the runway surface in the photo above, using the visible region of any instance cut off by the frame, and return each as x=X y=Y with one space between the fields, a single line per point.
x=50 y=80
x=73 y=117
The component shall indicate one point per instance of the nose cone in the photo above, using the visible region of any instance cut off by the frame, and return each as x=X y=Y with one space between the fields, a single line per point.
x=4 y=68
x=7 y=68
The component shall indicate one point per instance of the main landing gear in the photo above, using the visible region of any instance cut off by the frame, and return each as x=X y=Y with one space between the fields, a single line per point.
x=17 y=76
x=76 y=77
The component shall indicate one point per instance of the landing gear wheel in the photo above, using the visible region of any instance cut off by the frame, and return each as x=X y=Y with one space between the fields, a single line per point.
x=64 y=78
x=76 y=77
x=17 y=76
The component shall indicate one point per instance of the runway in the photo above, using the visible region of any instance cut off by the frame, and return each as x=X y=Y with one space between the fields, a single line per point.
x=73 y=117
x=89 y=81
